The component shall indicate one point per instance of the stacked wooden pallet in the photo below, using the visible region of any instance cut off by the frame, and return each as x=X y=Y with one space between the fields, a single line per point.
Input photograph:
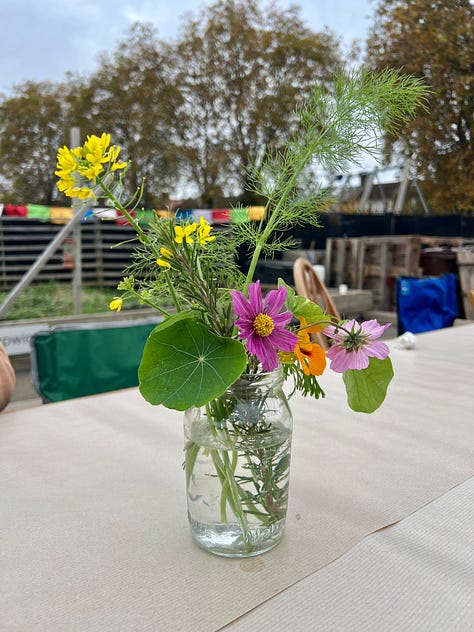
x=373 y=263
x=342 y=255
x=465 y=261
x=381 y=260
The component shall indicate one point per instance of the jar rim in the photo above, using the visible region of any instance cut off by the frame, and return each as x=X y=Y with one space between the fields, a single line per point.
x=246 y=380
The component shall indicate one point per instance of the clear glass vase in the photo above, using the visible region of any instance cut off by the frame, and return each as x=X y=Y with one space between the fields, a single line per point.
x=237 y=465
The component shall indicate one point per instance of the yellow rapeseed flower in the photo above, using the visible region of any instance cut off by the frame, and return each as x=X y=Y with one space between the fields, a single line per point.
x=116 y=304
x=184 y=233
x=90 y=171
x=86 y=163
x=97 y=152
x=66 y=162
x=80 y=192
x=119 y=165
x=113 y=155
x=167 y=254
x=203 y=232
x=95 y=149
x=164 y=252
x=66 y=183
x=163 y=263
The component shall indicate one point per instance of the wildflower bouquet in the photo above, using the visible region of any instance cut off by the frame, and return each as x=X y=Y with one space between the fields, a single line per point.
x=221 y=339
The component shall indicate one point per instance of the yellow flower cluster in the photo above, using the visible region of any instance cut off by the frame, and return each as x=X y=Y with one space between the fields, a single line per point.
x=84 y=164
x=202 y=233
x=184 y=234
x=188 y=234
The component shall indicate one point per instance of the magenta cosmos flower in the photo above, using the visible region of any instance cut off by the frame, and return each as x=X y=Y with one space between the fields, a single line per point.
x=261 y=324
x=355 y=344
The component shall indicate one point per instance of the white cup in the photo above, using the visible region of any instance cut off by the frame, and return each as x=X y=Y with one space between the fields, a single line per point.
x=321 y=272
x=343 y=289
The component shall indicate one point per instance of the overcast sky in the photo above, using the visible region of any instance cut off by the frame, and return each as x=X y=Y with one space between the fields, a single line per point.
x=43 y=39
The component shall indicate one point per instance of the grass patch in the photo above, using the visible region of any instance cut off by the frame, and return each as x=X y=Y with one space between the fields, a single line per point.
x=55 y=299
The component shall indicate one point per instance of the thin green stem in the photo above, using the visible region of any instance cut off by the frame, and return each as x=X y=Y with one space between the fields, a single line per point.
x=225 y=468
x=192 y=450
x=235 y=496
x=174 y=296
x=230 y=492
x=274 y=215
x=119 y=206
x=148 y=302
x=223 y=505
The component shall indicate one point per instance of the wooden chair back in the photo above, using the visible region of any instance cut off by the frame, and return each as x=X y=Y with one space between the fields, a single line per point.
x=308 y=284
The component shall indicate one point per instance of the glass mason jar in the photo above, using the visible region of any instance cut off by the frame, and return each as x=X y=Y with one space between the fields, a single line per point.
x=237 y=465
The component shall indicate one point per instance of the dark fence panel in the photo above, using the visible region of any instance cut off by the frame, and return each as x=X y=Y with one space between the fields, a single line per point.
x=338 y=225
x=22 y=240
x=435 y=225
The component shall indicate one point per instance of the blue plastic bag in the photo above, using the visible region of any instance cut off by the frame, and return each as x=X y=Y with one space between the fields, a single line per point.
x=426 y=304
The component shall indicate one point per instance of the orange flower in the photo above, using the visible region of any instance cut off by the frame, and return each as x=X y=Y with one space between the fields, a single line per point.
x=314 y=329
x=310 y=355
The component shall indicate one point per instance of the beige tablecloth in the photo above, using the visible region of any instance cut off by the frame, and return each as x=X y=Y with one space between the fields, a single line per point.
x=93 y=522
x=414 y=576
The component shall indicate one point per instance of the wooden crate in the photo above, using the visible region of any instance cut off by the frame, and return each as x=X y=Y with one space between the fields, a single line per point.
x=373 y=263
x=381 y=260
x=341 y=261
x=429 y=241
x=465 y=261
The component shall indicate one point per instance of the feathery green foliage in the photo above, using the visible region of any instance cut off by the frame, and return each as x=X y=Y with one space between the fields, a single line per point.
x=335 y=128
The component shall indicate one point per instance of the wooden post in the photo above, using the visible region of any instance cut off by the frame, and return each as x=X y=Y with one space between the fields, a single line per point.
x=77 y=242
x=402 y=190
x=40 y=262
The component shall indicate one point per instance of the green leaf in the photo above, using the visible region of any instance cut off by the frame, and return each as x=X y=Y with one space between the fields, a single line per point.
x=300 y=306
x=184 y=364
x=311 y=312
x=290 y=293
x=366 y=389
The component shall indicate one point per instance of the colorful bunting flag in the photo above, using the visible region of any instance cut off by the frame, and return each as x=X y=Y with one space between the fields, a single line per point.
x=256 y=213
x=239 y=215
x=15 y=210
x=62 y=214
x=37 y=211
x=221 y=216
x=202 y=212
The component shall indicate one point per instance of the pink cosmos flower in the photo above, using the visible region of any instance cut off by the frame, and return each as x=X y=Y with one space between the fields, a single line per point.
x=355 y=344
x=261 y=324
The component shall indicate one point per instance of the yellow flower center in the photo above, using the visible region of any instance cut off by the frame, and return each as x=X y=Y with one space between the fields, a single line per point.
x=263 y=325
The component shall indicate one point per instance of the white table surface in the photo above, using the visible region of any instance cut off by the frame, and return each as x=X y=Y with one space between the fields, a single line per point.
x=93 y=531
x=415 y=576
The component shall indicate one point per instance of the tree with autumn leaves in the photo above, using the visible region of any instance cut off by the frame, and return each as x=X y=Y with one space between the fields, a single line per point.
x=196 y=111
x=434 y=41
x=193 y=112
x=32 y=124
x=241 y=72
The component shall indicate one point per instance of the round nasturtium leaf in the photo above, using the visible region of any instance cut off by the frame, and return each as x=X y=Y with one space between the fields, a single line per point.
x=184 y=364
x=366 y=389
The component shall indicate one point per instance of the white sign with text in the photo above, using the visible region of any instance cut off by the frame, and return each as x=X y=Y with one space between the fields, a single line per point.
x=16 y=338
